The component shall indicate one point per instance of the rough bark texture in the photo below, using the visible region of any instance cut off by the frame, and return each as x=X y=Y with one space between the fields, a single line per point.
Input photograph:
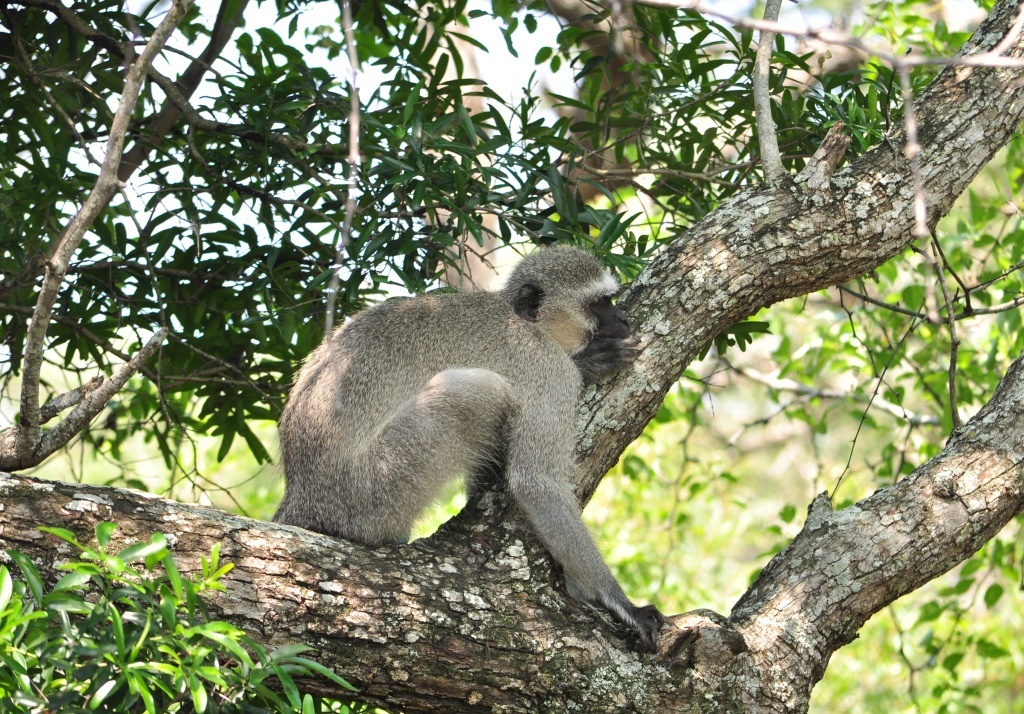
x=472 y=620
x=767 y=245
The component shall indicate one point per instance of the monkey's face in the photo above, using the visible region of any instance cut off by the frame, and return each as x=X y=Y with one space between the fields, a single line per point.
x=608 y=320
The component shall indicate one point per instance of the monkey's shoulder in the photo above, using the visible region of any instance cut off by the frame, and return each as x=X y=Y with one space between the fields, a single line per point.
x=460 y=315
x=468 y=329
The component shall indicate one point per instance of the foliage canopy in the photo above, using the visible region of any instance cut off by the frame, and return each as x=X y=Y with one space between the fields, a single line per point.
x=229 y=227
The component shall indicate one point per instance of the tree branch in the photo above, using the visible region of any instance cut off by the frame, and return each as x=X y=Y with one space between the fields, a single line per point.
x=886 y=545
x=187 y=83
x=765 y=246
x=354 y=162
x=472 y=610
x=89 y=400
x=107 y=184
x=480 y=627
x=771 y=159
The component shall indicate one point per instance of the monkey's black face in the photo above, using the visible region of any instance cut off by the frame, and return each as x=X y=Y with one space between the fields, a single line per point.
x=611 y=347
x=611 y=321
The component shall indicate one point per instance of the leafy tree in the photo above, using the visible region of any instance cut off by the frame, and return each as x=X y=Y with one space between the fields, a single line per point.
x=205 y=233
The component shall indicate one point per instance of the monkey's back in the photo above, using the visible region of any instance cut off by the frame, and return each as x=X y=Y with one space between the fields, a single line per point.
x=389 y=352
x=353 y=385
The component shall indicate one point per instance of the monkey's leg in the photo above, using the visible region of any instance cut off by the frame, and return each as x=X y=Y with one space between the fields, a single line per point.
x=451 y=427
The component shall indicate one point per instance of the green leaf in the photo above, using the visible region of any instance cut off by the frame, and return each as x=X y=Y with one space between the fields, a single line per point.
x=103 y=533
x=71 y=581
x=992 y=595
x=788 y=513
x=989 y=650
x=29 y=573
x=6 y=587
x=118 y=627
x=199 y=695
x=156 y=546
x=62 y=533
x=322 y=671
x=104 y=691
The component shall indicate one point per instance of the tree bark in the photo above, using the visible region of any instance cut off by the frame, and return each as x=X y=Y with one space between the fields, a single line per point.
x=473 y=619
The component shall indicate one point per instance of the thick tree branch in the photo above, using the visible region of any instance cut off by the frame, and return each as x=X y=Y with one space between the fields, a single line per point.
x=845 y=566
x=769 y=245
x=470 y=621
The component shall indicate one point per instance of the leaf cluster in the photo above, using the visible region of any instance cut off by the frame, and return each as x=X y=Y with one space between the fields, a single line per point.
x=125 y=631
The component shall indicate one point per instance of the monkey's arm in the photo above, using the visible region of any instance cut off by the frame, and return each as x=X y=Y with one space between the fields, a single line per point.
x=538 y=468
x=605 y=355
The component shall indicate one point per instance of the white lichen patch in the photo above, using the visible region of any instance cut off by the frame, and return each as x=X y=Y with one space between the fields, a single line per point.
x=399 y=675
x=333 y=601
x=100 y=500
x=476 y=601
x=452 y=596
x=410 y=588
x=514 y=560
x=446 y=566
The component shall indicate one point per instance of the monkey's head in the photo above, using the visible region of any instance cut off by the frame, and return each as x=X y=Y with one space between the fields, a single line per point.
x=568 y=294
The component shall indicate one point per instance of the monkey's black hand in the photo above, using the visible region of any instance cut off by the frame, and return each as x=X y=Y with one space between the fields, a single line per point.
x=646 y=622
x=604 y=355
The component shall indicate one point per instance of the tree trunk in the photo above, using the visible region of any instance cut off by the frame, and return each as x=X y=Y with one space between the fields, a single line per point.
x=473 y=619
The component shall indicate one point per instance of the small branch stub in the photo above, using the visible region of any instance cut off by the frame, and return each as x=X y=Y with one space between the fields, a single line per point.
x=817 y=175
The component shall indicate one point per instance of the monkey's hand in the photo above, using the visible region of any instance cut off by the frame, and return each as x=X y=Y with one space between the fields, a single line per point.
x=604 y=355
x=645 y=622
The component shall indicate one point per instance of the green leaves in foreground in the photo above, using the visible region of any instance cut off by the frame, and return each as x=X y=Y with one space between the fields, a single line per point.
x=126 y=632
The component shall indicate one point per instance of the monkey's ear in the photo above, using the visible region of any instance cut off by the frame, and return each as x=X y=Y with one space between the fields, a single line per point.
x=528 y=300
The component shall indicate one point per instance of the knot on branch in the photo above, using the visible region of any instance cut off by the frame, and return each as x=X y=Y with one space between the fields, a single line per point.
x=701 y=638
x=817 y=175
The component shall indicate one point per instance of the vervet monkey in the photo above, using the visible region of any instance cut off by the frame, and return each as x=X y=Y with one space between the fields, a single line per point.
x=412 y=393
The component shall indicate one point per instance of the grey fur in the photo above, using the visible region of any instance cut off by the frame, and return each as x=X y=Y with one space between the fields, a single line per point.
x=413 y=393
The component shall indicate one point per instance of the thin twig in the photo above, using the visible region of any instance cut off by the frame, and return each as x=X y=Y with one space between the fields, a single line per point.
x=829 y=36
x=874 y=395
x=881 y=303
x=794 y=387
x=968 y=309
x=963 y=315
x=912 y=150
x=92 y=403
x=771 y=160
x=954 y=341
x=354 y=161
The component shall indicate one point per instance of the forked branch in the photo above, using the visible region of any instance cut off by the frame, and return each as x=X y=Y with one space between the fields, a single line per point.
x=27 y=443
